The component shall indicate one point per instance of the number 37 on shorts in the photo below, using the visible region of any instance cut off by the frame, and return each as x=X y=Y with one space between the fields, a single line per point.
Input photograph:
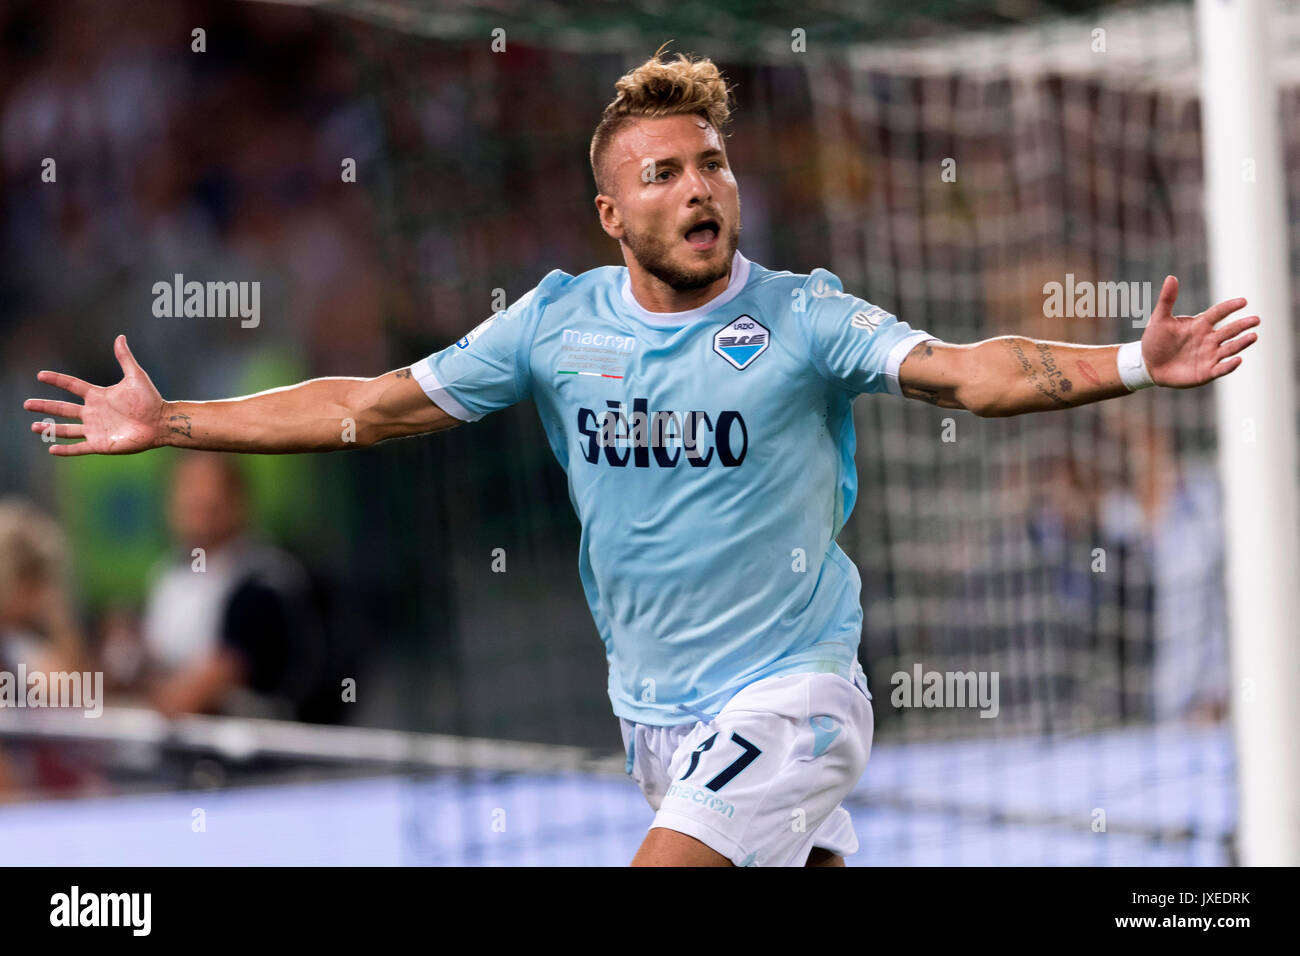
x=762 y=782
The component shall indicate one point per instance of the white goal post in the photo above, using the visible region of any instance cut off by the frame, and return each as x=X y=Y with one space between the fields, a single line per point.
x=1248 y=255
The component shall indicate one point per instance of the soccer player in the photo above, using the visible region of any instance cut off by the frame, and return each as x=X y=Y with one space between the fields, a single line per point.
x=701 y=406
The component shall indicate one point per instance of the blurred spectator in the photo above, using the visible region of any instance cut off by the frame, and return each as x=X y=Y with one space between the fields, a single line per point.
x=1171 y=512
x=1061 y=523
x=230 y=626
x=37 y=626
x=38 y=629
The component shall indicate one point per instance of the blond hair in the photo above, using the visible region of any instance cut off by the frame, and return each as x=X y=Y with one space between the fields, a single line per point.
x=685 y=86
x=32 y=548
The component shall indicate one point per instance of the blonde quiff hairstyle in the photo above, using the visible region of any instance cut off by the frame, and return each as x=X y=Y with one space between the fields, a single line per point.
x=684 y=86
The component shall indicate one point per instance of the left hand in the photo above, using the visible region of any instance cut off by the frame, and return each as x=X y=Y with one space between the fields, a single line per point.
x=1183 y=351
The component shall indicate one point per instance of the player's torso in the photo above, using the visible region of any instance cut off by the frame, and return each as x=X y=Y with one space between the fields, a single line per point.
x=703 y=401
x=690 y=448
x=704 y=460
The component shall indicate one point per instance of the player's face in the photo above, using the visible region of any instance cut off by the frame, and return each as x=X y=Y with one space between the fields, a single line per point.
x=676 y=204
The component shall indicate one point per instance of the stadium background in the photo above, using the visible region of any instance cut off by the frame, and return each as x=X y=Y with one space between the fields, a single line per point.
x=975 y=554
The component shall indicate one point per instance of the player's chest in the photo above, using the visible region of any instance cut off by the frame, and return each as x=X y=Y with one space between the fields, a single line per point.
x=731 y=361
x=696 y=397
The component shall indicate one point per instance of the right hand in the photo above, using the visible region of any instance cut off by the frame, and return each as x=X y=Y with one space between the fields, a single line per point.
x=119 y=420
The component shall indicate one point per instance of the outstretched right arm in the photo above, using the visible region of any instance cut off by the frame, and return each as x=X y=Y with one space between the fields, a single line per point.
x=324 y=414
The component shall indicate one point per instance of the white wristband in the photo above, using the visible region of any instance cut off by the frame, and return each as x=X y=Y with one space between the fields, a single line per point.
x=1133 y=367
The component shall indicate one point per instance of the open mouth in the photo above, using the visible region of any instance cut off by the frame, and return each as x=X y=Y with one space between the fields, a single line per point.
x=704 y=234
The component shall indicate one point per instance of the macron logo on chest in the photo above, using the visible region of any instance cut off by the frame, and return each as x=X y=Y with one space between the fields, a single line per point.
x=617 y=343
x=599 y=354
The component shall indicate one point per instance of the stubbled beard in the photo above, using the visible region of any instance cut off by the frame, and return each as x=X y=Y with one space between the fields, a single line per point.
x=655 y=256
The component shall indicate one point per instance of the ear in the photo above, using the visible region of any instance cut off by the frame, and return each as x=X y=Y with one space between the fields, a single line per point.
x=610 y=219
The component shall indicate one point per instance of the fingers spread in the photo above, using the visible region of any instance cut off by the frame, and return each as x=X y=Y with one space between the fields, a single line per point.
x=1235 y=327
x=124 y=356
x=1236 y=345
x=68 y=383
x=62 y=409
x=1168 y=295
x=1219 y=370
x=1219 y=310
x=60 y=431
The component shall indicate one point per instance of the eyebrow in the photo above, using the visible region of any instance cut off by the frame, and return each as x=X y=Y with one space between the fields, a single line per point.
x=703 y=154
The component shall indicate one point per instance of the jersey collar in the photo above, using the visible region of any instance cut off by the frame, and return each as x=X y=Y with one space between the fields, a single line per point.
x=739 y=276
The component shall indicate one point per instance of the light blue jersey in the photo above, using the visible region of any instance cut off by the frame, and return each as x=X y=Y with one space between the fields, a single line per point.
x=710 y=461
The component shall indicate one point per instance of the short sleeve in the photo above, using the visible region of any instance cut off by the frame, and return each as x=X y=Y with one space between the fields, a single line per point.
x=854 y=344
x=487 y=370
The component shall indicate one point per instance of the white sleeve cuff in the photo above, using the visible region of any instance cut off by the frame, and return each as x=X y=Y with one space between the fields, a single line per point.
x=424 y=375
x=899 y=352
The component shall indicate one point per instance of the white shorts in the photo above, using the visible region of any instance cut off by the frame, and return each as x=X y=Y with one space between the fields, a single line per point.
x=761 y=783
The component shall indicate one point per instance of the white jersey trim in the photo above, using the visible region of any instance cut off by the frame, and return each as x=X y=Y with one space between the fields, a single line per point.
x=899 y=352
x=739 y=276
x=439 y=395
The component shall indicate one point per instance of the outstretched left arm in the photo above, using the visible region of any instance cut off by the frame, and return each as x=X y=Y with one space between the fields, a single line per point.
x=1011 y=374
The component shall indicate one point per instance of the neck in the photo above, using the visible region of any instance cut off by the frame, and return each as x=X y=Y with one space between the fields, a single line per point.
x=655 y=295
x=218 y=544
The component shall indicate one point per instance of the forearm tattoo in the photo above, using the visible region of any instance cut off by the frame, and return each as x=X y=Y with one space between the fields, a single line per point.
x=1047 y=379
x=180 y=425
x=403 y=373
x=924 y=394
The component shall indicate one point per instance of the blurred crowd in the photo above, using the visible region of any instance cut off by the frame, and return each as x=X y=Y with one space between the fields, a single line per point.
x=1136 y=570
x=227 y=163
x=358 y=175
x=231 y=625
x=131 y=151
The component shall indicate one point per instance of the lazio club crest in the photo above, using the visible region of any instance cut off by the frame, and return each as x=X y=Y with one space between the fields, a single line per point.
x=741 y=340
